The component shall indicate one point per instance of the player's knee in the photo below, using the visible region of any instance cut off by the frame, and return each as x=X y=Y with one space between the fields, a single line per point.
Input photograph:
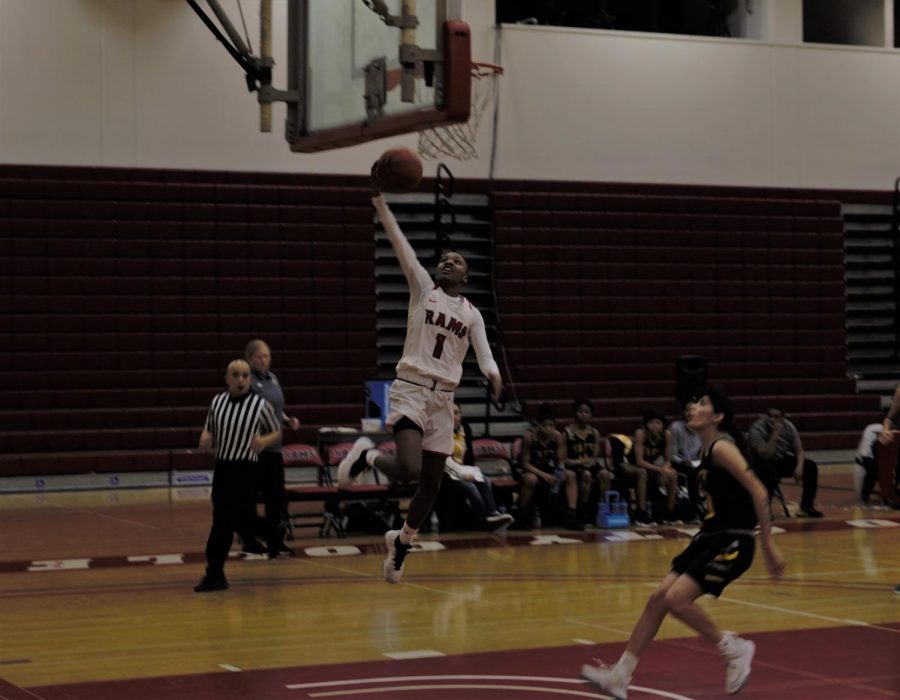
x=409 y=467
x=675 y=602
x=529 y=479
x=656 y=599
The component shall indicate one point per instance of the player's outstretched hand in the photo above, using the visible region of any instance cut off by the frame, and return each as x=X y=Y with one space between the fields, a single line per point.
x=497 y=384
x=375 y=178
x=886 y=437
x=775 y=562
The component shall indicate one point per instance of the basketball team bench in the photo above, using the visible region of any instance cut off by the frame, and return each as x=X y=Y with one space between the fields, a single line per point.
x=319 y=487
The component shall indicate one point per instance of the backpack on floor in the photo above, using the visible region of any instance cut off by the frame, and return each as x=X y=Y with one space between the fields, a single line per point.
x=371 y=517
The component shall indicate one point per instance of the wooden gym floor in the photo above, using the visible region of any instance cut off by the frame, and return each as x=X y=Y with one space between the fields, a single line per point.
x=96 y=601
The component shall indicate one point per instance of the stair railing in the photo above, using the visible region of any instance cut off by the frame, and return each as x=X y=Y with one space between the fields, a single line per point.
x=510 y=397
x=895 y=229
x=443 y=209
x=443 y=193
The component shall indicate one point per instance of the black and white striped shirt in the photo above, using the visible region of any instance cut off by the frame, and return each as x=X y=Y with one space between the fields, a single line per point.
x=234 y=423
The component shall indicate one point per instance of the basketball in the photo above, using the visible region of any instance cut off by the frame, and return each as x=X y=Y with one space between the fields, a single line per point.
x=398 y=170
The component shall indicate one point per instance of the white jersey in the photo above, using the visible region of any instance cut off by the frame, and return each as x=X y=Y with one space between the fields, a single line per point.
x=439 y=327
x=869 y=436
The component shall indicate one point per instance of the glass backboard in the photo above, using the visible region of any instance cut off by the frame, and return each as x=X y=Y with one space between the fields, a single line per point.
x=359 y=78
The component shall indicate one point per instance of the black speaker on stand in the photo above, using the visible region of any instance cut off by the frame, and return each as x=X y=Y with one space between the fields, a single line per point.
x=691 y=377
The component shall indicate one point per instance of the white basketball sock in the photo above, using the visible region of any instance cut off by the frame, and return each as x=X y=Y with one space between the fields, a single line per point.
x=627 y=663
x=407 y=534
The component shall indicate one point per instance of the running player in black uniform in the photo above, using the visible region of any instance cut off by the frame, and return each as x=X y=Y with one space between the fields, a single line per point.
x=718 y=554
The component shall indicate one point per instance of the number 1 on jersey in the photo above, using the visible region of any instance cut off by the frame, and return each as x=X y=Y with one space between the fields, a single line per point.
x=438 y=346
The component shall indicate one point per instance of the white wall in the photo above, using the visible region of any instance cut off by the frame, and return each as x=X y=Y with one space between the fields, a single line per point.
x=784 y=21
x=657 y=108
x=142 y=83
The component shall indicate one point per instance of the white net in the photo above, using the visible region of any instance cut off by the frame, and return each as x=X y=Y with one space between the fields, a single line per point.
x=460 y=140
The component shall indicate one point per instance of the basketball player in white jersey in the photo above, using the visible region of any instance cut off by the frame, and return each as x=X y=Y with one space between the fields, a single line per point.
x=440 y=325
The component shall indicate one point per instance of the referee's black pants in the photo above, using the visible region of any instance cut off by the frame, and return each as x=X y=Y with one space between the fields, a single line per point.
x=233 y=498
x=269 y=483
x=271 y=487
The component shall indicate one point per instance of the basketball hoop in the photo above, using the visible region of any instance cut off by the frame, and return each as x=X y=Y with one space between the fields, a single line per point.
x=459 y=140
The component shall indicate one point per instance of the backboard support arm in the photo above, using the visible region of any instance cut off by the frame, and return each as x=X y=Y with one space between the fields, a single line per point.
x=257 y=70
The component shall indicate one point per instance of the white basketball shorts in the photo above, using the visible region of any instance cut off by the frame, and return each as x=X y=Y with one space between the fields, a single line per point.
x=430 y=409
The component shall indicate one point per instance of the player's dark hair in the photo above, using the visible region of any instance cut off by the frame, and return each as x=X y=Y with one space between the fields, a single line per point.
x=544 y=413
x=721 y=404
x=582 y=402
x=653 y=415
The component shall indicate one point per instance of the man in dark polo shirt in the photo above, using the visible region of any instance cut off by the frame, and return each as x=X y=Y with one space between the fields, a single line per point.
x=776 y=452
x=271 y=465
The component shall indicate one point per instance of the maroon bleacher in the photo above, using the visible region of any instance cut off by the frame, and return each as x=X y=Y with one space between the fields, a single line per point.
x=126 y=292
x=601 y=286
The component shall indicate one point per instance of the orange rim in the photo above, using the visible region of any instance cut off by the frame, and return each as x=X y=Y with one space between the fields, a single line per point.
x=483 y=70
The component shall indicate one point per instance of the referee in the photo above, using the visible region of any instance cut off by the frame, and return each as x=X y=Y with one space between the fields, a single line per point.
x=239 y=425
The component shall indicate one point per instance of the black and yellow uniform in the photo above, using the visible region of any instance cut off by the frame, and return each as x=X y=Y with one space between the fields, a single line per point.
x=544 y=454
x=723 y=549
x=581 y=446
x=654 y=446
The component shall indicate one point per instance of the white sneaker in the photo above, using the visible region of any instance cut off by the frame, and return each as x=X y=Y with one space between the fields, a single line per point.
x=498 y=522
x=738 y=659
x=356 y=454
x=396 y=557
x=607 y=679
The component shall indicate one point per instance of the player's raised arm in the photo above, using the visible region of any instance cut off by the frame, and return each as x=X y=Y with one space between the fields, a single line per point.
x=416 y=275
